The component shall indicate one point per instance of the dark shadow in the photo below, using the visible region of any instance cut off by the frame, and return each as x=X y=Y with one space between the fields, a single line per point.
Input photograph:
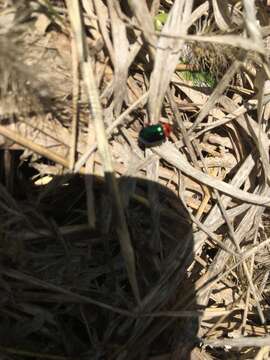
x=49 y=256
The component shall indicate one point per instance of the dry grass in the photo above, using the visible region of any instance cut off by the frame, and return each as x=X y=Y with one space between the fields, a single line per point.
x=111 y=251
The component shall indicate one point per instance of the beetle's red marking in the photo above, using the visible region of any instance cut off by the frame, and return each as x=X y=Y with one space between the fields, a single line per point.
x=167 y=129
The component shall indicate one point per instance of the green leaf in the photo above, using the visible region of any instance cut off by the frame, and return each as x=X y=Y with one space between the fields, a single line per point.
x=159 y=20
x=199 y=78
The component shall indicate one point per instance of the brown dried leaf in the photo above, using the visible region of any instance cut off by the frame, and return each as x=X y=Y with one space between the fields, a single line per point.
x=121 y=53
x=221 y=13
x=144 y=18
x=167 y=55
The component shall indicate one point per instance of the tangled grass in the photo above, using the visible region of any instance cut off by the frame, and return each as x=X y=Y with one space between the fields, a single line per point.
x=110 y=250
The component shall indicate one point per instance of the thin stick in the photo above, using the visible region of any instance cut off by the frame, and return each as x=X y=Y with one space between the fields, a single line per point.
x=245 y=267
x=89 y=181
x=41 y=150
x=217 y=278
x=14 y=274
x=240 y=342
x=74 y=11
x=244 y=320
x=236 y=244
x=31 y=354
x=169 y=153
x=75 y=108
